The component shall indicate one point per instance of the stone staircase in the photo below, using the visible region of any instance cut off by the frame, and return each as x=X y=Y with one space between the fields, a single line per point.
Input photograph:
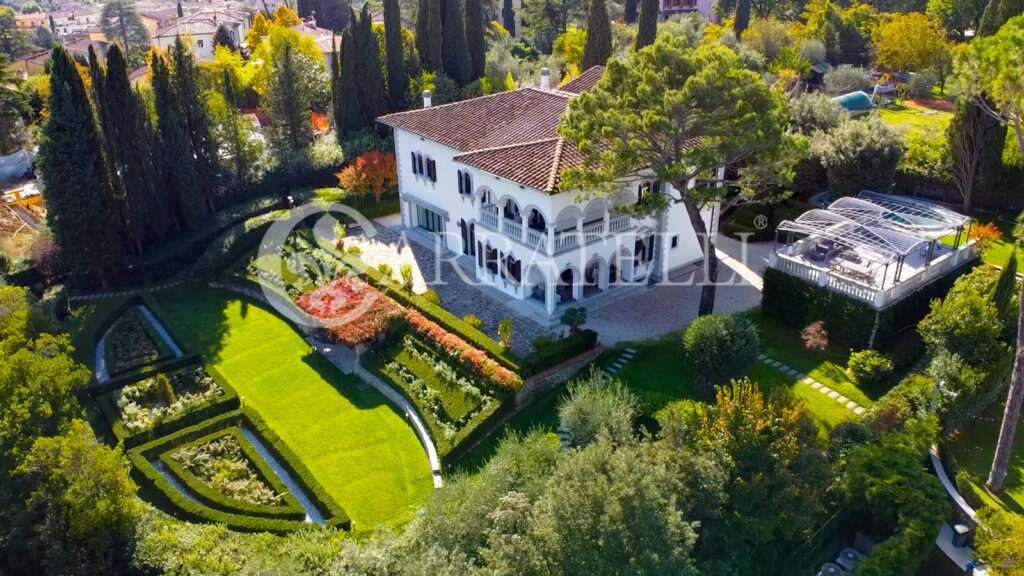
x=620 y=362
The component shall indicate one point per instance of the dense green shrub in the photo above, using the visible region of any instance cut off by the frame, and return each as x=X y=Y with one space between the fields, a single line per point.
x=927 y=156
x=966 y=321
x=432 y=297
x=920 y=85
x=559 y=351
x=811 y=112
x=869 y=367
x=721 y=346
x=862 y=155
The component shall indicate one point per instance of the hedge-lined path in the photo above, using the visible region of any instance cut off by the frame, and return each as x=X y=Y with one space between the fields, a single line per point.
x=821 y=388
x=620 y=362
x=313 y=514
x=123 y=293
x=100 y=357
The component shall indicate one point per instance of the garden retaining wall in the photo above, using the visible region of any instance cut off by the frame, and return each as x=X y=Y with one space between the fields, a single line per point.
x=539 y=384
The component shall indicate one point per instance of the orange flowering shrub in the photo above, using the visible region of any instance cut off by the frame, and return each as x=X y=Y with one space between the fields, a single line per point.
x=473 y=358
x=350 y=310
x=985 y=234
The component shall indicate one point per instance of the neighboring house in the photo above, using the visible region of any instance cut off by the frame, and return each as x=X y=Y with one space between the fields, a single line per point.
x=855 y=103
x=79 y=49
x=483 y=176
x=198 y=34
x=32 y=21
x=69 y=22
x=672 y=7
x=326 y=40
x=31 y=65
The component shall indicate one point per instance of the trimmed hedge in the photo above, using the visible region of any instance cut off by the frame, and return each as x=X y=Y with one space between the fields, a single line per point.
x=436 y=313
x=290 y=510
x=224 y=403
x=142 y=455
x=123 y=380
x=559 y=351
x=184 y=507
x=799 y=303
x=84 y=339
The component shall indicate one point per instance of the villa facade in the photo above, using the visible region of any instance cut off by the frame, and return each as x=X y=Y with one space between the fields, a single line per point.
x=482 y=176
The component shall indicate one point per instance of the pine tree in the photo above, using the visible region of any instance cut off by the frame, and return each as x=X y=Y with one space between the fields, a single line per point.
x=454 y=52
x=177 y=159
x=124 y=121
x=475 y=41
x=195 y=119
x=598 y=48
x=348 y=116
x=72 y=171
x=287 y=102
x=371 y=76
x=398 y=83
x=647 y=29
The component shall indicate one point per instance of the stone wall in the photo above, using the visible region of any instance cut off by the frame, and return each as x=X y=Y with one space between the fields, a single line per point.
x=542 y=383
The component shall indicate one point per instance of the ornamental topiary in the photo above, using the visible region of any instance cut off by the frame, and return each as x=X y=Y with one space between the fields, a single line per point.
x=721 y=347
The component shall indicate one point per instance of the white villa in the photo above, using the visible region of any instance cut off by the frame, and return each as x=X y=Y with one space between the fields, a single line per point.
x=483 y=176
x=876 y=248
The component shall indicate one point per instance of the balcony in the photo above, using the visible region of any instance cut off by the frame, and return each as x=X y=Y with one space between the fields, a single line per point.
x=561 y=241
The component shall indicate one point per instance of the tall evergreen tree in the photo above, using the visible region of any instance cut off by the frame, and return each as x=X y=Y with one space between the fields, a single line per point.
x=433 y=42
x=348 y=115
x=195 y=119
x=398 y=83
x=371 y=85
x=475 y=41
x=422 y=32
x=647 y=29
x=598 y=48
x=177 y=166
x=287 y=103
x=508 y=17
x=629 y=12
x=124 y=120
x=71 y=166
x=454 y=52
x=742 y=18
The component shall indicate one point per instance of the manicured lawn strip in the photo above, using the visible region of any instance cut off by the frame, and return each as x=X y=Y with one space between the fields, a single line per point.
x=290 y=509
x=915 y=119
x=827 y=412
x=226 y=402
x=973 y=449
x=153 y=485
x=997 y=252
x=356 y=445
x=784 y=343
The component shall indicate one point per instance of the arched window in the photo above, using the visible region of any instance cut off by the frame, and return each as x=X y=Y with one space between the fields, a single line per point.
x=467 y=183
x=462 y=187
x=417 y=164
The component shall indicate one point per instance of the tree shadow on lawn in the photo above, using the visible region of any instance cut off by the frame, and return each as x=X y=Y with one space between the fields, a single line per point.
x=349 y=386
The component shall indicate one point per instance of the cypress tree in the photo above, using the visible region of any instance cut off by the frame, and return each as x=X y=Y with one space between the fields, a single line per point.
x=371 y=76
x=348 y=116
x=124 y=119
x=1003 y=293
x=742 y=19
x=234 y=134
x=508 y=17
x=475 y=41
x=647 y=29
x=997 y=13
x=72 y=171
x=629 y=13
x=287 y=103
x=118 y=204
x=398 y=83
x=178 y=166
x=454 y=52
x=423 y=33
x=598 y=48
x=433 y=44
x=195 y=119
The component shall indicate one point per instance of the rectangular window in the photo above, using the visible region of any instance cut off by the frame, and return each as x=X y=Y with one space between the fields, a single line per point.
x=429 y=220
x=199 y=43
x=675 y=241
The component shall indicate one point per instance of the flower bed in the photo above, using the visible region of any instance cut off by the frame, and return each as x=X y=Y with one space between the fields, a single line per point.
x=350 y=310
x=129 y=344
x=474 y=359
x=144 y=405
x=222 y=464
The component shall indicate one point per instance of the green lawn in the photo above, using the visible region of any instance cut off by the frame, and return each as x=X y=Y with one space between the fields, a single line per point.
x=998 y=252
x=973 y=450
x=916 y=119
x=358 y=446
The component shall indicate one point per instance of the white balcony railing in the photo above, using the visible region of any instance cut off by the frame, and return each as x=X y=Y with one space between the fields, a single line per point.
x=489 y=216
x=512 y=229
x=593 y=231
x=537 y=239
x=566 y=241
x=619 y=224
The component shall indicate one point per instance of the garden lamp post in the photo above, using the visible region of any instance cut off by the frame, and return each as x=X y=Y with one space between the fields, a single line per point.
x=940 y=386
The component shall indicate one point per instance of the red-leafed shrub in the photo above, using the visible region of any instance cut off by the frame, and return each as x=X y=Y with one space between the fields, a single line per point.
x=457 y=348
x=350 y=310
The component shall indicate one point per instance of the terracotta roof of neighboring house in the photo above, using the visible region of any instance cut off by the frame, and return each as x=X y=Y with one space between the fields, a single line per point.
x=512 y=135
x=82 y=45
x=585 y=81
x=139 y=73
x=187 y=28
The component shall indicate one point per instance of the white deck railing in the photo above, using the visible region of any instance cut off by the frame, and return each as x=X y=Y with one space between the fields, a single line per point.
x=537 y=239
x=489 y=216
x=512 y=229
x=876 y=296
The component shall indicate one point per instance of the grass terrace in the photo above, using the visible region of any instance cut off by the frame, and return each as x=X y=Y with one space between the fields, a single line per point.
x=973 y=450
x=916 y=118
x=355 y=444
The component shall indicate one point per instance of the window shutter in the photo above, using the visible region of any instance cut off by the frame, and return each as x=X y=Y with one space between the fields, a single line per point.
x=414 y=170
x=432 y=170
x=650 y=248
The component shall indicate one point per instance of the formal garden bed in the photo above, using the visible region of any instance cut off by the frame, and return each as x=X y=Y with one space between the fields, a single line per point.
x=131 y=343
x=164 y=402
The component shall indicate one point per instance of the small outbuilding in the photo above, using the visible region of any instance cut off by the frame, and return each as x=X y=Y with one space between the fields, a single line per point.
x=855 y=103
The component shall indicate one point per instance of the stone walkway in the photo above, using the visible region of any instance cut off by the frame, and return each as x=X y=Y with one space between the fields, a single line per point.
x=620 y=362
x=849 y=404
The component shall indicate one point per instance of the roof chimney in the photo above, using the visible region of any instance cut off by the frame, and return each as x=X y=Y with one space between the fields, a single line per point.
x=426 y=98
x=545 y=78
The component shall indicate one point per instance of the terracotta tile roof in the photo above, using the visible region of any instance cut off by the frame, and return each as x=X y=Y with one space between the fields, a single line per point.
x=585 y=81
x=513 y=135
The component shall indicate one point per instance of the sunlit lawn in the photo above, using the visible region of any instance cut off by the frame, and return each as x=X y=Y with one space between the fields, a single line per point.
x=916 y=120
x=973 y=450
x=356 y=444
